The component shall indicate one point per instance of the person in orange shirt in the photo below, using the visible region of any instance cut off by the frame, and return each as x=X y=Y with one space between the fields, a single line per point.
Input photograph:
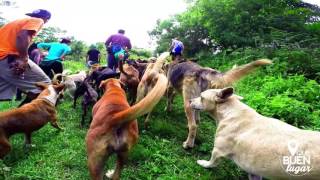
x=16 y=69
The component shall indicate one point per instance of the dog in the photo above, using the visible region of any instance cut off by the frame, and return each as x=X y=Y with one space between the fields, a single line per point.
x=256 y=143
x=114 y=128
x=70 y=84
x=191 y=79
x=99 y=74
x=29 y=117
x=129 y=76
x=90 y=97
x=149 y=80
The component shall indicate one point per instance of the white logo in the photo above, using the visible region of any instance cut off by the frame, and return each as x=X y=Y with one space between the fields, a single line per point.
x=298 y=163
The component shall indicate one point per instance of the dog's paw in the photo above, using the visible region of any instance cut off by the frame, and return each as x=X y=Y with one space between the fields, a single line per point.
x=187 y=145
x=205 y=164
x=109 y=173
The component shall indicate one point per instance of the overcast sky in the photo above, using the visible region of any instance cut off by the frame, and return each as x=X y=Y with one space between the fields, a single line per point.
x=94 y=20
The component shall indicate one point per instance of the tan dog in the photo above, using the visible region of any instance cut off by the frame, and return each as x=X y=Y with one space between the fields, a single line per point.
x=149 y=79
x=259 y=145
x=191 y=79
x=114 y=127
x=29 y=117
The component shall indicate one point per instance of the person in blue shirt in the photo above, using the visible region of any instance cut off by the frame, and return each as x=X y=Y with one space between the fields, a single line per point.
x=176 y=49
x=56 y=53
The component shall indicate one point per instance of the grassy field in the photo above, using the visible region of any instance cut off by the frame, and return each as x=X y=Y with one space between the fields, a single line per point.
x=158 y=154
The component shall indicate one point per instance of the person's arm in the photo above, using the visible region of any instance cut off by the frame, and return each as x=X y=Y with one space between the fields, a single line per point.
x=23 y=40
x=108 y=41
x=129 y=44
x=171 y=47
x=65 y=52
x=45 y=46
x=87 y=57
x=99 y=57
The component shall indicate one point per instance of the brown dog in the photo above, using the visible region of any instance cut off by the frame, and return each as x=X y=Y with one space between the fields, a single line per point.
x=130 y=78
x=29 y=117
x=149 y=79
x=114 y=127
x=191 y=79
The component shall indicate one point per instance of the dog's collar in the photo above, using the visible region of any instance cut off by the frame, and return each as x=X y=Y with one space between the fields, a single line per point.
x=47 y=101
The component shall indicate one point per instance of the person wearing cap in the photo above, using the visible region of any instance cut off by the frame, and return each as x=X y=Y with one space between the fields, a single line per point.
x=56 y=53
x=17 y=70
x=93 y=56
x=117 y=46
x=176 y=49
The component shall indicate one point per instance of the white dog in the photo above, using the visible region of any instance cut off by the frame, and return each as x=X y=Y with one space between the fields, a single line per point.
x=260 y=145
x=70 y=80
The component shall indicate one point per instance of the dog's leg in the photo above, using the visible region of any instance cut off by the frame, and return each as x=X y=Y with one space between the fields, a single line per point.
x=254 y=177
x=54 y=123
x=170 y=97
x=189 y=93
x=27 y=140
x=5 y=146
x=121 y=160
x=213 y=162
x=147 y=121
x=84 y=113
x=97 y=156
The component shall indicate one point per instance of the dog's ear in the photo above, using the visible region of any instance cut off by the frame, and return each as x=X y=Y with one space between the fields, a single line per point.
x=224 y=94
x=41 y=85
x=59 y=87
x=102 y=83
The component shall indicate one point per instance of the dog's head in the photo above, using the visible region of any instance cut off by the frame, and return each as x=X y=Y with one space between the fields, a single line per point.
x=105 y=84
x=209 y=99
x=51 y=92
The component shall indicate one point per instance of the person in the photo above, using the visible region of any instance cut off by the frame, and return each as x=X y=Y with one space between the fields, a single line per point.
x=17 y=70
x=34 y=53
x=117 y=46
x=93 y=56
x=176 y=49
x=57 y=52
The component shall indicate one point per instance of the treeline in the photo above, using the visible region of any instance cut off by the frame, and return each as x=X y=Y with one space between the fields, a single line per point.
x=209 y=25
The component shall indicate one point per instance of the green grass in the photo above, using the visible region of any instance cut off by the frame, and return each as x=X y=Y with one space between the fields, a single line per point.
x=158 y=154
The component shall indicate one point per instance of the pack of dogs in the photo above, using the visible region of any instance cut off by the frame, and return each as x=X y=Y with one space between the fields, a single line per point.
x=254 y=142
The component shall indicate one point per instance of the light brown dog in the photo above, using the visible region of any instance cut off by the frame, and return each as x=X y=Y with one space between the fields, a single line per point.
x=260 y=145
x=149 y=79
x=191 y=79
x=29 y=117
x=114 y=127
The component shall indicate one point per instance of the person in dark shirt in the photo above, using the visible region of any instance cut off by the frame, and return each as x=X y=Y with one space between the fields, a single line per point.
x=117 y=46
x=93 y=57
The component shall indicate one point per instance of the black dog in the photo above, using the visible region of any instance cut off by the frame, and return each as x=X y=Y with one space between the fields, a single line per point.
x=101 y=74
x=90 y=97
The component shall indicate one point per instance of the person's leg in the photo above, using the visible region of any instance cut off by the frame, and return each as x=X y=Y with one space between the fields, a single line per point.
x=26 y=83
x=57 y=67
x=110 y=61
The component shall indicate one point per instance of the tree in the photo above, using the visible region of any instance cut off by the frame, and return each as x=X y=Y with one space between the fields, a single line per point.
x=50 y=34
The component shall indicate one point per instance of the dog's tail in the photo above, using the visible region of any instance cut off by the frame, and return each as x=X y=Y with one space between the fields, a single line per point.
x=160 y=61
x=146 y=104
x=237 y=73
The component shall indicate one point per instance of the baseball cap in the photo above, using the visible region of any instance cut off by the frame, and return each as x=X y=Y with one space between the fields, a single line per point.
x=40 y=13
